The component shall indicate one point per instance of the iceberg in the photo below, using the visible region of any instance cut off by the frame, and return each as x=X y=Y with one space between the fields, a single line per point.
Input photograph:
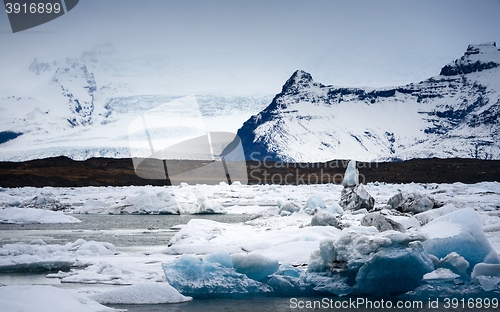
x=142 y=293
x=429 y=215
x=394 y=270
x=314 y=203
x=202 y=279
x=461 y=232
x=367 y=263
x=46 y=298
x=440 y=275
x=33 y=216
x=381 y=222
x=290 y=281
x=38 y=256
x=207 y=206
x=487 y=275
x=324 y=218
x=351 y=175
x=255 y=266
x=412 y=202
x=151 y=201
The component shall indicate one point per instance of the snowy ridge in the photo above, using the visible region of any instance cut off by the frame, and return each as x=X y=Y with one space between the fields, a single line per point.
x=454 y=114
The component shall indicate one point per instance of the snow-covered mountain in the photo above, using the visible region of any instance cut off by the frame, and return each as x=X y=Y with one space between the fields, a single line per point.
x=81 y=106
x=454 y=114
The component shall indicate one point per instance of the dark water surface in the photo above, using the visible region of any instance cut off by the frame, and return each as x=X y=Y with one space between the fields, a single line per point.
x=120 y=230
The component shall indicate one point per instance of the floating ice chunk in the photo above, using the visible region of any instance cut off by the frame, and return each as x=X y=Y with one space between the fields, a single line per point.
x=488 y=275
x=394 y=270
x=323 y=259
x=44 y=201
x=455 y=262
x=46 y=298
x=202 y=279
x=222 y=258
x=315 y=202
x=207 y=206
x=290 y=281
x=428 y=216
x=143 y=293
x=351 y=175
x=335 y=283
x=255 y=266
x=210 y=207
x=104 y=273
x=34 y=264
x=20 y=257
x=95 y=248
x=405 y=221
x=93 y=206
x=413 y=202
x=335 y=208
x=324 y=218
x=440 y=275
x=372 y=262
x=381 y=222
x=287 y=206
x=461 y=232
x=32 y=215
x=151 y=201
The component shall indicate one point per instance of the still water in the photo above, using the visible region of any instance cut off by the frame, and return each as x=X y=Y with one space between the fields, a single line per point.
x=123 y=231
x=143 y=232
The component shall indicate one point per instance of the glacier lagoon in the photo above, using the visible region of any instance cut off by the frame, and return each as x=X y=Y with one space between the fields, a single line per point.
x=260 y=220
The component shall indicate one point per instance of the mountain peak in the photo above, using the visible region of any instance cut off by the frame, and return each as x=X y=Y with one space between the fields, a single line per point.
x=298 y=81
x=441 y=117
x=478 y=57
x=482 y=48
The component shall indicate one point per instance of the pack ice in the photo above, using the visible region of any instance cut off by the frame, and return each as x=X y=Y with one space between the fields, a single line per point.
x=386 y=251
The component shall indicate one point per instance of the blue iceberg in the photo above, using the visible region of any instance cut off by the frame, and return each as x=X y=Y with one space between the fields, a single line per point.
x=202 y=279
x=460 y=231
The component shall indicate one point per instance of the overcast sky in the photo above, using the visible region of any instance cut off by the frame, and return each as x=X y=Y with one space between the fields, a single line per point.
x=344 y=43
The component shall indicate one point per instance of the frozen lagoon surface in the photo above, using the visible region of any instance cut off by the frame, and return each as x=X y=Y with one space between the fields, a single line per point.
x=275 y=232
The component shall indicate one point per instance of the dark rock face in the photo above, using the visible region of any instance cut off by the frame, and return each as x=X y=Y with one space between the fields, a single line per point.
x=415 y=202
x=459 y=111
x=324 y=218
x=381 y=222
x=81 y=97
x=355 y=198
x=6 y=136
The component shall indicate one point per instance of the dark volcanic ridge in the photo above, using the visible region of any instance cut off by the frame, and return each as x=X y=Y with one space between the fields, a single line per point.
x=65 y=172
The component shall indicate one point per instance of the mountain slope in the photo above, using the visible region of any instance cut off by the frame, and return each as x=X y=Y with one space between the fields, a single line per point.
x=81 y=107
x=454 y=114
